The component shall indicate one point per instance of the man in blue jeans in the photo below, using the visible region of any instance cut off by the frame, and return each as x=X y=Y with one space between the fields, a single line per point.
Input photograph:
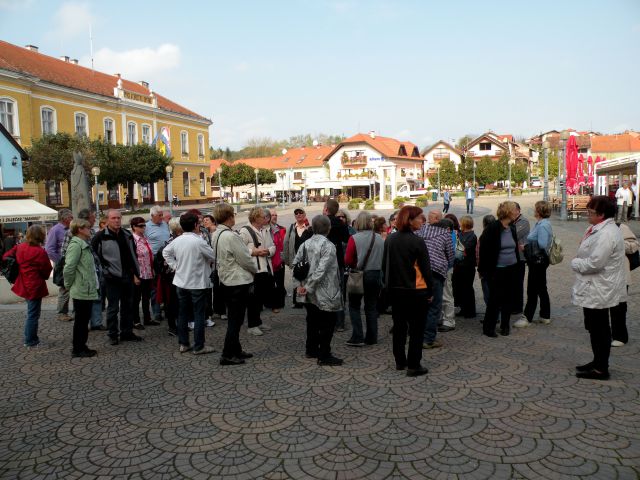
x=190 y=257
x=440 y=248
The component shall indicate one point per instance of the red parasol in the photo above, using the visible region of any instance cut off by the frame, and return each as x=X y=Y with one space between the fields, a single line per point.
x=572 y=165
x=590 y=169
x=581 y=175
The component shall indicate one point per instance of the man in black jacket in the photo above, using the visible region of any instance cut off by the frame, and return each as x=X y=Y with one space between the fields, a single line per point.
x=338 y=235
x=115 y=249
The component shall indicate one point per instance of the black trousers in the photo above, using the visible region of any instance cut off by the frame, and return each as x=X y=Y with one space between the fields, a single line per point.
x=518 y=294
x=596 y=321
x=463 y=291
x=262 y=291
x=236 y=299
x=142 y=294
x=501 y=293
x=82 y=313
x=119 y=292
x=320 y=325
x=409 y=313
x=619 y=322
x=445 y=208
x=537 y=288
x=276 y=300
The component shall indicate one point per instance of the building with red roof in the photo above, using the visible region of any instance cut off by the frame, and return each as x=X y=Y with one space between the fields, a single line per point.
x=41 y=94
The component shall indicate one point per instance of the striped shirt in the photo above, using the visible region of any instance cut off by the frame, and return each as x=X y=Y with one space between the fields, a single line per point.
x=438 y=242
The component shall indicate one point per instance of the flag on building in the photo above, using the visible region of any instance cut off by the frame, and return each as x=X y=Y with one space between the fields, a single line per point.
x=163 y=141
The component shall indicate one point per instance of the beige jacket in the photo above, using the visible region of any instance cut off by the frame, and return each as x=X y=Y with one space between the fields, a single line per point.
x=630 y=246
x=234 y=263
x=264 y=240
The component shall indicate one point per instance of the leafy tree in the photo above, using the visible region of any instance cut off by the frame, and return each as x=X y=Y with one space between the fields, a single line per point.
x=448 y=175
x=486 y=171
x=465 y=140
x=519 y=173
x=51 y=157
x=239 y=173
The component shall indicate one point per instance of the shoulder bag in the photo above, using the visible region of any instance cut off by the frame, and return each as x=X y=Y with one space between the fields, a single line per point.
x=355 y=282
x=215 y=278
x=10 y=268
x=301 y=269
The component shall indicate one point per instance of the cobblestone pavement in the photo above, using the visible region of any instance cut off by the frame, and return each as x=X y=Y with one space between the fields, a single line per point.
x=509 y=407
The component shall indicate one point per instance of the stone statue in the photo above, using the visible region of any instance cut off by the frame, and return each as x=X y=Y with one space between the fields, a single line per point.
x=80 y=197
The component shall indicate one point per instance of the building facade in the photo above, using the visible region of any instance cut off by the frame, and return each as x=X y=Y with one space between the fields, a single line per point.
x=40 y=94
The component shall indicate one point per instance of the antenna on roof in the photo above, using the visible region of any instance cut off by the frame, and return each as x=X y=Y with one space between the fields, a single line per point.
x=91 y=45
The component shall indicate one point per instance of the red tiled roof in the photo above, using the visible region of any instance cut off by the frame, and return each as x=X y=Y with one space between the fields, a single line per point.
x=66 y=74
x=389 y=147
x=615 y=143
x=302 y=157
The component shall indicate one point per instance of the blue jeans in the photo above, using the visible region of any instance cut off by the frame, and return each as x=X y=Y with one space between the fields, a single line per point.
x=31 y=326
x=96 y=313
x=371 y=281
x=469 y=205
x=192 y=306
x=435 y=309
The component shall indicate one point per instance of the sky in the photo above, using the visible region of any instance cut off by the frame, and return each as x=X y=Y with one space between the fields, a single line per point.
x=416 y=70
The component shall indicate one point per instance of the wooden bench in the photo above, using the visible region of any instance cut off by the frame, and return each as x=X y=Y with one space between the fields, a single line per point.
x=577 y=205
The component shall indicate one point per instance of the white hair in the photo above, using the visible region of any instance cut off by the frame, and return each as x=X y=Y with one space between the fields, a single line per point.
x=156 y=209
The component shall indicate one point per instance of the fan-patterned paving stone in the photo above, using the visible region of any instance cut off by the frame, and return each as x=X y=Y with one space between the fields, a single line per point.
x=431 y=389
x=102 y=432
x=290 y=442
x=570 y=407
x=306 y=404
x=344 y=423
x=395 y=444
x=122 y=458
x=197 y=437
x=477 y=405
x=535 y=424
x=437 y=423
x=390 y=405
x=170 y=415
x=257 y=419
x=270 y=389
x=349 y=391
x=514 y=392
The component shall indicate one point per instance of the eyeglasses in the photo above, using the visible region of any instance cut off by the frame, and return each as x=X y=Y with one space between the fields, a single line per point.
x=141 y=225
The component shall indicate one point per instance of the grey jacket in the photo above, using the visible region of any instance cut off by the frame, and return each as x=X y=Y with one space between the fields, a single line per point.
x=289 y=249
x=601 y=277
x=362 y=241
x=234 y=263
x=323 y=282
x=105 y=245
x=523 y=227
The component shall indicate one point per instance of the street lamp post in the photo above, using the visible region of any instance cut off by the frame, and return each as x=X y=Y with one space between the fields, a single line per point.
x=219 y=170
x=169 y=169
x=96 y=173
x=564 y=136
x=305 y=188
x=282 y=175
x=255 y=170
x=475 y=165
x=289 y=193
x=438 y=169
x=511 y=162
x=545 y=148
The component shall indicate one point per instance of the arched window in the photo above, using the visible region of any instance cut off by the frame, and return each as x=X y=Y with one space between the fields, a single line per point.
x=201 y=146
x=184 y=143
x=185 y=184
x=9 y=115
x=48 y=120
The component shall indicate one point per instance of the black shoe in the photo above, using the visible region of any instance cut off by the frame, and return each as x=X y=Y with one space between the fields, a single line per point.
x=132 y=337
x=593 y=375
x=330 y=361
x=446 y=328
x=416 y=372
x=138 y=326
x=505 y=332
x=99 y=327
x=351 y=343
x=88 y=353
x=244 y=355
x=113 y=341
x=172 y=333
x=231 y=361
x=311 y=355
x=584 y=368
x=400 y=367
x=491 y=334
x=153 y=323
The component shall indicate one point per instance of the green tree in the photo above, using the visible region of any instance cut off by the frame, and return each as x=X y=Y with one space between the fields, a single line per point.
x=486 y=171
x=51 y=158
x=465 y=140
x=239 y=173
x=448 y=175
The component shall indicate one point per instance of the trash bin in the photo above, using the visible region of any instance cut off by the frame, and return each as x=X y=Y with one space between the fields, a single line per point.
x=434 y=196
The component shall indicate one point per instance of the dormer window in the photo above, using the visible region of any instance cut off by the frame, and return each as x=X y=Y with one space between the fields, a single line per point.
x=402 y=151
x=484 y=146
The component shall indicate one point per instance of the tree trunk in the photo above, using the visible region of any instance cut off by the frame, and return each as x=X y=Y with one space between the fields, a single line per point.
x=130 y=191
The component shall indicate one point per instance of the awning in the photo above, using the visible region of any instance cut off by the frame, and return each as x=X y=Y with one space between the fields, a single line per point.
x=324 y=184
x=626 y=165
x=350 y=182
x=25 y=210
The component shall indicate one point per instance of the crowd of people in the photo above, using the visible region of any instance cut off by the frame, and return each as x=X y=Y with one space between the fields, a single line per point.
x=421 y=265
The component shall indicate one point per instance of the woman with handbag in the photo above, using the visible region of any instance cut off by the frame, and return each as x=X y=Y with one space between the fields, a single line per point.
x=537 y=255
x=320 y=289
x=278 y=234
x=82 y=280
x=364 y=257
x=407 y=278
x=619 y=333
x=31 y=284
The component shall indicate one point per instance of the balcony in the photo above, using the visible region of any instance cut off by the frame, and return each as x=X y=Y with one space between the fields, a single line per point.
x=357 y=160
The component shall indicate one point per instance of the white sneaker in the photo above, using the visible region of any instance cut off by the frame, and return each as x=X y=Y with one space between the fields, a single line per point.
x=255 y=331
x=545 y=321
x=210 y=323
x=265 y=327
x=223 y=317
x=521 y=322
x=617 y=343
x=190 y=325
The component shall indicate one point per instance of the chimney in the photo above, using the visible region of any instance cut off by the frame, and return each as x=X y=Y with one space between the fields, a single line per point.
x=372 y=134
x=74 y=61
x=33 y=48
x=144 y=84
x=64 y=58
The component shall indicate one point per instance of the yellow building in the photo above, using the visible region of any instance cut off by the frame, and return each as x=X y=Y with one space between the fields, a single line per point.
x=41 y=94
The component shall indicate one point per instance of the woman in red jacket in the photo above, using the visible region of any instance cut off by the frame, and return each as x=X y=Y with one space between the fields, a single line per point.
x=278 y=233
x=31 y=284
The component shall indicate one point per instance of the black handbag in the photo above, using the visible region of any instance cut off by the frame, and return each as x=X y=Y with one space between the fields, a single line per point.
x=534 y=254
x=634 y=260
x=214 y=277
x=10 y=268
x=301 y=269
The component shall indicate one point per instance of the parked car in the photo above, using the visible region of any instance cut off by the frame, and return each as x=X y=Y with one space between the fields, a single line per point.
x=536 y=182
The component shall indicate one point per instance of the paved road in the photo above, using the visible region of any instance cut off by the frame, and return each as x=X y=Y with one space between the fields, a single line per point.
x=509 y=407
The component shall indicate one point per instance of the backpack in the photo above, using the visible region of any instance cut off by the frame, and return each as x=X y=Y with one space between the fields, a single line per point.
x=460 y=250
x=10 y=269
x=555 y=252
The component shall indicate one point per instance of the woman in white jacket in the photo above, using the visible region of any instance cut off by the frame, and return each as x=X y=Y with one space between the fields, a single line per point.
x=619 y=333
x=600 y=282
